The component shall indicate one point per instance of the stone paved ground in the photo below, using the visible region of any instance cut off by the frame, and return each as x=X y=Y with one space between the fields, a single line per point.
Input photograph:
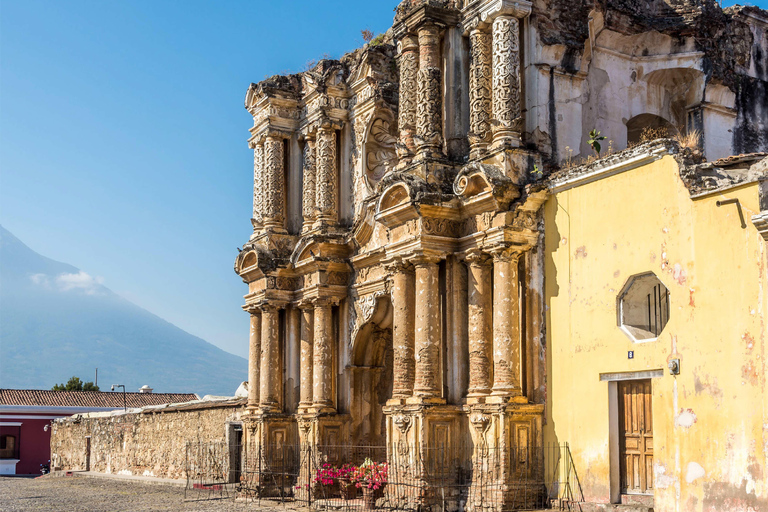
x=80 y=494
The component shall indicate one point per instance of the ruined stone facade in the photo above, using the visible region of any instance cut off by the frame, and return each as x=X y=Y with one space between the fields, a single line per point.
x=395 y=270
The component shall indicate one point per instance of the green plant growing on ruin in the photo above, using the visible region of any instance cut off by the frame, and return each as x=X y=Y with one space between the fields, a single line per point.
x=594 y=141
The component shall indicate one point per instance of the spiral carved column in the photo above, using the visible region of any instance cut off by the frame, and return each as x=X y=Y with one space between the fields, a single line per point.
x=273 y=183
x=480 y=95
x=429 y=117
x=258 y=186
x=325 y=197
x=506 y=81
x=409 y=69
x=309 y=184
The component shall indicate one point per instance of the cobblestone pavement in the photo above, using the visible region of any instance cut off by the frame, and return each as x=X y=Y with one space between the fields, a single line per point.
x=81 y=494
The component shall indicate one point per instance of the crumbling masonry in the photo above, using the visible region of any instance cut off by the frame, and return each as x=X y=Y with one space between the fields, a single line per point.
x=395 y=272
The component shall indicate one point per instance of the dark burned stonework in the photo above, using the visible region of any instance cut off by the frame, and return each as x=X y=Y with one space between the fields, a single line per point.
x=395 y=267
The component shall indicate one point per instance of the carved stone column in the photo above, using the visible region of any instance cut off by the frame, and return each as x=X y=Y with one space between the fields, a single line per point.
x=403 y=330
x=480 y=332
x=427 y=383
x=506 y=81
x=254 y=360
x=506 y=324
x=307 y=337
x=271 y=369
x=480 y=95
x=322 y=371
x=429 y=109
x=309 y=188
x=258 y=186
x=273 y=184
x=409 y=69
x=325 y=198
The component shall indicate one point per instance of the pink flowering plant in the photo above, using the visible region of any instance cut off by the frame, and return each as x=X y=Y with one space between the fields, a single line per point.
x=330 y=475
x=371 y=475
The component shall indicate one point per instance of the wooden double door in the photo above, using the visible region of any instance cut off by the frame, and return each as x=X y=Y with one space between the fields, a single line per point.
x=636 y=436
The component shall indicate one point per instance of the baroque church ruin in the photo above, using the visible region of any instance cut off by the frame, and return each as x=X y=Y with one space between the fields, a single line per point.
x=446 y=274
x=396 y=267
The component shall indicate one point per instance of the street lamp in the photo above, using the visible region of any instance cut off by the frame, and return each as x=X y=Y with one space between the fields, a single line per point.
x=121 y=386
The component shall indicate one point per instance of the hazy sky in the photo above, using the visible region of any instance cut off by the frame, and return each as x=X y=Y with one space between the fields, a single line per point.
x=123 y=137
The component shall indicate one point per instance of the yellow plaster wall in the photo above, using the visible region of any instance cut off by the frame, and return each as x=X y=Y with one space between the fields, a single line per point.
x=597 y=236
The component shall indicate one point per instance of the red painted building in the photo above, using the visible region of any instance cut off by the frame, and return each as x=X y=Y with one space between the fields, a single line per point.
x=26 y=415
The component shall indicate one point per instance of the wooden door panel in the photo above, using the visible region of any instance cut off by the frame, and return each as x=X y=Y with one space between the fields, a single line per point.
x=636 y=436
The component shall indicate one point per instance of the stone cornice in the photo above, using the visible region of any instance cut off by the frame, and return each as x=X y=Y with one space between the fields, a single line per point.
x=609 y=166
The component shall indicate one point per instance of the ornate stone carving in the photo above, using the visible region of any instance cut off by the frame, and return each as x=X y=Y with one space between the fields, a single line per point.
x=380 y=151
x=402 y=422
x=480 y=95
x=258 y=187
x=506 y=77
x=273 y=182
x=441 y=227
x=429 y=110
x=409 y=67
x=364 y=309
x=308 y=192
x=325 y=199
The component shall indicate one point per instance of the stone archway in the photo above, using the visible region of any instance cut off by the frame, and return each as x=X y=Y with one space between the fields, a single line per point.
x=372 y=377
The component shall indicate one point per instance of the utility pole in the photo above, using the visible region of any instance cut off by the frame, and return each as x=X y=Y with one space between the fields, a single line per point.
x=96 y=382
x=125 y=407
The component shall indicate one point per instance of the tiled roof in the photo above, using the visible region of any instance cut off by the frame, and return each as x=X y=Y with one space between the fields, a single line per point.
x=47 y=398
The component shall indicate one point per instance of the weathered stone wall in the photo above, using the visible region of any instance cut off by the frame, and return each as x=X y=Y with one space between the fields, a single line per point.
x=148 y=443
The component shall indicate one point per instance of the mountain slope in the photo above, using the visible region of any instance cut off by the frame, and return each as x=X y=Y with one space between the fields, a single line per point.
x=57 y=321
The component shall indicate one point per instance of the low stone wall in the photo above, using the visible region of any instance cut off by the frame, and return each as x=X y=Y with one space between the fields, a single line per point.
x=150 y=442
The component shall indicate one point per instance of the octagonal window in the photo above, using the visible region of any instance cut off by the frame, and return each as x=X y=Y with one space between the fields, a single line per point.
x=643 y=306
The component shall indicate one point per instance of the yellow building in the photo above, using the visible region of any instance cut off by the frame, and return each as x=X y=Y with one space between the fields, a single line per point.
x=656 y=319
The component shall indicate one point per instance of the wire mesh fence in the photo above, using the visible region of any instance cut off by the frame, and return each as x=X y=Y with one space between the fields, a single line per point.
x=403 y=477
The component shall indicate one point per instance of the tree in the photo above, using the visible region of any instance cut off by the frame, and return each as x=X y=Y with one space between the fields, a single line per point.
x=75 y=384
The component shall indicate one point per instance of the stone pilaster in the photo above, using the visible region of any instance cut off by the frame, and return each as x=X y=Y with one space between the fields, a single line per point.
x=271 y=369
x=258 y=186
x=322 y=371
x=409 y=69
x=506 y=81
x=326 y=185
x=403 y=321
x=480 y=95
x=506 y=324
x=427 y=378
x=429 y=109
x=254 y=360
x=307 y=350
x=480 y=321
x=273 y=183
x=309 y=183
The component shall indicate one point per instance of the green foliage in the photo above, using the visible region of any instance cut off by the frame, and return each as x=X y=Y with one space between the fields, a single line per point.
x=75 y=384
x=376 y=41
x=594 y=141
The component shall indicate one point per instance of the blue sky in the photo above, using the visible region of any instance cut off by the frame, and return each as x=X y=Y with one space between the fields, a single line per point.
x=123 y=137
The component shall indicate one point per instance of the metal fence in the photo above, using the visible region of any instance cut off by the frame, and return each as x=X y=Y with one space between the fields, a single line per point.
x=446 y=479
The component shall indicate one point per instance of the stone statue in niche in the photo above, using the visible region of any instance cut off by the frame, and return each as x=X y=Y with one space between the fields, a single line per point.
x=380 y=151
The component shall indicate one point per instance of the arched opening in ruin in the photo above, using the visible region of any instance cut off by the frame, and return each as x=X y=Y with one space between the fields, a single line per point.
x=646 y=127
x=372 y=377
